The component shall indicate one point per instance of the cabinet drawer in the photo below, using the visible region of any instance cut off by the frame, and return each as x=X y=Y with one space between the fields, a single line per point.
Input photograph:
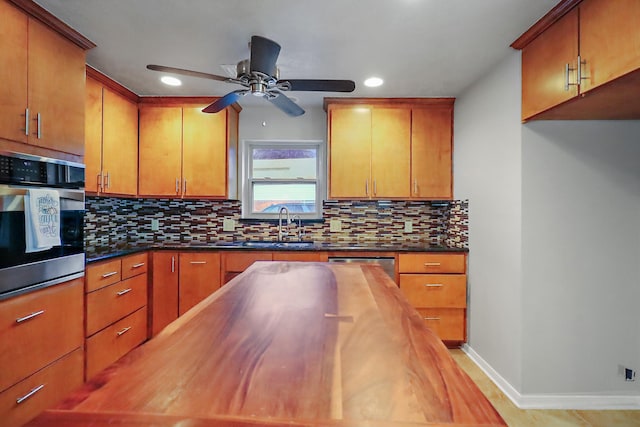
x=134 y=265
x=38 y=328
x=44 y=389
x=114 y=302
x=435 y=290
x=112 y=343
x=431 y=263
x=103 y=274
x=300 y=256
x=447 y=323
x=240 y=261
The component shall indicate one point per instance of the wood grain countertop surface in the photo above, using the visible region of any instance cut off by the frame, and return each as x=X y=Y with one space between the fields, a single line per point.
x=286 y=343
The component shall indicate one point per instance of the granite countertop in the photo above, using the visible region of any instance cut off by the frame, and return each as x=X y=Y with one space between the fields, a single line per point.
x=94 y=254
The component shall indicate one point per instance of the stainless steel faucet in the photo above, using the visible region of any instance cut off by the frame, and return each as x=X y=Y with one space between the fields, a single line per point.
x=299 y=230
x=282 y=234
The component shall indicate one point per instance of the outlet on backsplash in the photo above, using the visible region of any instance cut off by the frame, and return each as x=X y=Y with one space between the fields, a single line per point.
x=335 y=225
x=228 y=224
x=408 y=227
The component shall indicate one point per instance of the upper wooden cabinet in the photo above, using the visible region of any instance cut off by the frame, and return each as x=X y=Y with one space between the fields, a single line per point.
x=111 y=152
x=44 y=104
x=187 y=153
x=390 y=149
x=582 y=61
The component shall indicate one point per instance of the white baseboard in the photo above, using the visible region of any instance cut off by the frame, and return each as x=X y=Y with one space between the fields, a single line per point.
x=553 y=401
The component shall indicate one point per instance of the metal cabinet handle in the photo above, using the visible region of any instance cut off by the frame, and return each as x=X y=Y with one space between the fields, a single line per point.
x=105 y=275
x=366 y=187
x=123 y=331
x=431 y=318
x=138 y=265
x=184 y=188
x=431 y=264
x=567 y=71
x=581 y=62
x=26 y=121
x=28 y=395
x=177 y=186
x=39 y=122
x=108 y=179
x=99 y=178
x=173 y=264
x=29 y=316
x=124 y=291
x=197 y=262
x=375 y=188
x=433 y=285
x=415 y=186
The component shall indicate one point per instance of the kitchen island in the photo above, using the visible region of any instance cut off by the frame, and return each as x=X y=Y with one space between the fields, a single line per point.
x=286 y=343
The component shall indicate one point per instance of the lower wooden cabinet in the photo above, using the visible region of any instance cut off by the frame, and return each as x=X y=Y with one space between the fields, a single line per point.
x=436 y=285
x=116 y=309
x=44 y=389
x=163 y=290
x=199 y=277
x=234 y=263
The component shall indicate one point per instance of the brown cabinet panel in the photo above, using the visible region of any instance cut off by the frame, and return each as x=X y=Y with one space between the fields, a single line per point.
x=199 y=277
x=38 y=328
x=103 y=274
x=13 y=57
x=350 y=152
x=435 y=290
x=56 y=76
x=448 y=323
x=431 y=263
x=204 y=150
x=300 y=256
x=51 y=385
x=164 y=290
x=237 y=262
x=115 y=341
x=133 y=265
x=114 y=302
x=431 y=153
x=93 y=136
x=119 y=144
x=609 y=40
x=543 y=66
x=160 y=151
x=390 y=152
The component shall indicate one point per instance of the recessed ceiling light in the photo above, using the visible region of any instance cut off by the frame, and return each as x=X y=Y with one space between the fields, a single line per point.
x=373 y=82
x=171 y=81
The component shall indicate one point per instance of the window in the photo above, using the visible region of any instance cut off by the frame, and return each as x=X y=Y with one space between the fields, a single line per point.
x=279 y=174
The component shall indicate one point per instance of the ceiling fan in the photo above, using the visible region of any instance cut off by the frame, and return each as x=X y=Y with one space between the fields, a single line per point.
x=261 y=77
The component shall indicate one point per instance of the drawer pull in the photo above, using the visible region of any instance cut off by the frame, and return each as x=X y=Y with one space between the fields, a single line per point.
x=124 y=331
x=124 y=291
x=198 y=262
x=28 y=395
x=138 y=265
x=433 y=285
x=431 y=318
x=105 y=275
x=29 y=316
x=431 y=264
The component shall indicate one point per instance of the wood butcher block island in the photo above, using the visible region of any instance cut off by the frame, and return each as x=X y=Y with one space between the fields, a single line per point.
x=286 y=343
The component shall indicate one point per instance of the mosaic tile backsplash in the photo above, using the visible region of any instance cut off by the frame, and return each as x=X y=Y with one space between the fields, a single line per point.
x=111 y=221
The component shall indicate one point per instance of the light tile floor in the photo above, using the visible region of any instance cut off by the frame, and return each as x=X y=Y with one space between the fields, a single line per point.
x=541 y=418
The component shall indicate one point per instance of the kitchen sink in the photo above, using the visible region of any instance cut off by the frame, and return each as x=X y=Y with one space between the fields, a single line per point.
x=271 y=245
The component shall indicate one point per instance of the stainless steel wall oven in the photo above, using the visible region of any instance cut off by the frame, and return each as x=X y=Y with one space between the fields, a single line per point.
x=22 y=270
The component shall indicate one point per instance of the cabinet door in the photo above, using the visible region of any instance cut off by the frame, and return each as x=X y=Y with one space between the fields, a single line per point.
x=390 y=152
x=431 y=153
x=93 y=136
x=164 y=290
x=56 y=76
x=160 y=151
x=119 y=145
x=204 y=153
x=13 y=57
x=609 y=40
x=543 y=66
x=199 y=278
x=350 y=152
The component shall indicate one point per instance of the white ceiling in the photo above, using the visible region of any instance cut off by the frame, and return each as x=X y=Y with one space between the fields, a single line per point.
x=421 y=48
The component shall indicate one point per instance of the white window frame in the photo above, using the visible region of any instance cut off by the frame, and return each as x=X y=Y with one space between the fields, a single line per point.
x=246 y=186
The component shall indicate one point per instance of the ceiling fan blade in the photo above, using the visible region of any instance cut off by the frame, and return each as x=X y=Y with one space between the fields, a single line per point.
x=264 y=54
x=224 y=102
x=285 y=104
x=184 y=72
x=321 y=85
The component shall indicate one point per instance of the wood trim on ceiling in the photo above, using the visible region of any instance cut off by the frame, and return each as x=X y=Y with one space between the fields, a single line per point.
x=544 y=23
x=390 y=101
x=107 y=82
x=38 y=12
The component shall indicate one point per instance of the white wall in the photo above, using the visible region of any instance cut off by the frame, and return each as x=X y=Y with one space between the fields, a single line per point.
x=312 y=125
x=487 y=171
x=554 y=277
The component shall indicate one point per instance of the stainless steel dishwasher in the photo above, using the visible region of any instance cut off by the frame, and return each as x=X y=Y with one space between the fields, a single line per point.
x=387 y=263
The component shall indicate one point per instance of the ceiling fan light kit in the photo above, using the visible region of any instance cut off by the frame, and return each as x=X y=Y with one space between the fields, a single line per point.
x=261 y=77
